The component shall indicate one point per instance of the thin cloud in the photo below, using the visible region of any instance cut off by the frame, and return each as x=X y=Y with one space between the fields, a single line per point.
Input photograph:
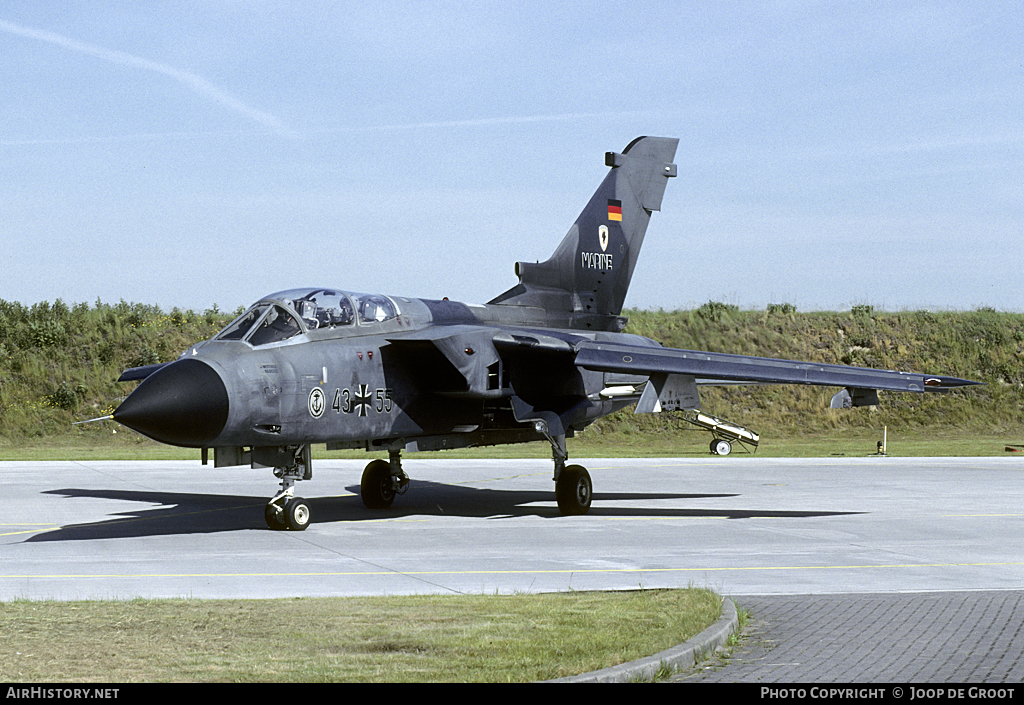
x=196 y=83
x=485 y=122
x=509 y=120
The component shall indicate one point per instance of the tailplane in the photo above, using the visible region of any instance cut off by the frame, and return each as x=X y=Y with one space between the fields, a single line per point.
x=583 y=285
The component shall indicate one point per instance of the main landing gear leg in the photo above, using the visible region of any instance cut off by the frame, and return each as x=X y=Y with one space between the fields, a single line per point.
x=285 y=510
x=573 y=486
x=382 y=480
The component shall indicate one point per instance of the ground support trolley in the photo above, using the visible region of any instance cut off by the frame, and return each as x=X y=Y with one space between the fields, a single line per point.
x=724 y=433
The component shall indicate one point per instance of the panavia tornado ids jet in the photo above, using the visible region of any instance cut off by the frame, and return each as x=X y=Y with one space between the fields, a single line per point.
x=391 y=373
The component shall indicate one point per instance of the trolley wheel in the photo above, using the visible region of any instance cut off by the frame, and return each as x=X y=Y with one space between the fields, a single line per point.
x=720 y=446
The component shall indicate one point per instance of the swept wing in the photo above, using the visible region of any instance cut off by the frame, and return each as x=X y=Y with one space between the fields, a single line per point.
x=726 y=368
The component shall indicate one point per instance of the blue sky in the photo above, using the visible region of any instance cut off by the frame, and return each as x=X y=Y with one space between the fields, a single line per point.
x=196 y=153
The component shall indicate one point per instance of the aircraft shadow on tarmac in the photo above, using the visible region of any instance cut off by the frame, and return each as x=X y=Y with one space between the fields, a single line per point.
x=182 y=513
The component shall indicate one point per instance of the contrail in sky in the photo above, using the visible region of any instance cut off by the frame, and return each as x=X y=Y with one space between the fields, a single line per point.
x=196 y=83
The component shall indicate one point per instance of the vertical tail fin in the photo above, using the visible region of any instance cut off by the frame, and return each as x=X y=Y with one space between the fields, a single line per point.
x=583 y=284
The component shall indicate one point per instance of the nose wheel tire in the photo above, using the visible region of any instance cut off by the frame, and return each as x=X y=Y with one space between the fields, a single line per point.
x=274 y=517
x=574 y=490
x=293 y=516
x=296 y=514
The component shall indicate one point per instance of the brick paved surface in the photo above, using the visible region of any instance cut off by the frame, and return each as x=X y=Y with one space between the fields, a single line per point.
x=935 y=637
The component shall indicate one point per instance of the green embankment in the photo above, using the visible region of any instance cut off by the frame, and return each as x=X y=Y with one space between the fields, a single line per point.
x=982 y=345
x=59 y=364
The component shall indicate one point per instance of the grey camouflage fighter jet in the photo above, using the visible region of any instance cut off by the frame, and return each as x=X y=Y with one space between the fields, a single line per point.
x=390 y=373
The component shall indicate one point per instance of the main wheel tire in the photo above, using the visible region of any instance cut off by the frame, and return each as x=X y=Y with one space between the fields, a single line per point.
x=274 y=518
x=721 y=447
x=296 y=514
x=574 y=490
x=376 y=487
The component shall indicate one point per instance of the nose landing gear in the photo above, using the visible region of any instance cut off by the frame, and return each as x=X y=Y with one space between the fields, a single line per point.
x=285 y=510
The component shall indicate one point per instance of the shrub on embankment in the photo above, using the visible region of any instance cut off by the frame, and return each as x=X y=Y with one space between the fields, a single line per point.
x=60 y=363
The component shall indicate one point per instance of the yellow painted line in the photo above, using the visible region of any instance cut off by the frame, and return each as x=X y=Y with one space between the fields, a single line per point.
x=561 y=571
x=42 y=527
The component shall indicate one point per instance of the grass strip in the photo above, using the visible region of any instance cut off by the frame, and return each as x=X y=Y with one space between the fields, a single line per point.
x=447 y=638
x=685 y=443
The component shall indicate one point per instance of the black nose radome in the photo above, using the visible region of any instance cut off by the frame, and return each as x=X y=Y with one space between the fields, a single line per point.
x=182 y=404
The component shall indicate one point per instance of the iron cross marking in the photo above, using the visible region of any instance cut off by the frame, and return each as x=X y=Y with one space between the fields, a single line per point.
x=362 y=400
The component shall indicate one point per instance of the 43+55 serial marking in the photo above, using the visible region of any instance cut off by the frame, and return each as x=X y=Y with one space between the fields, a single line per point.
x=349 y=401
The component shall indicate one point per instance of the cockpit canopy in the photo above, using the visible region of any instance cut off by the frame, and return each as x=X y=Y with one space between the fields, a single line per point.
x=286 y=314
